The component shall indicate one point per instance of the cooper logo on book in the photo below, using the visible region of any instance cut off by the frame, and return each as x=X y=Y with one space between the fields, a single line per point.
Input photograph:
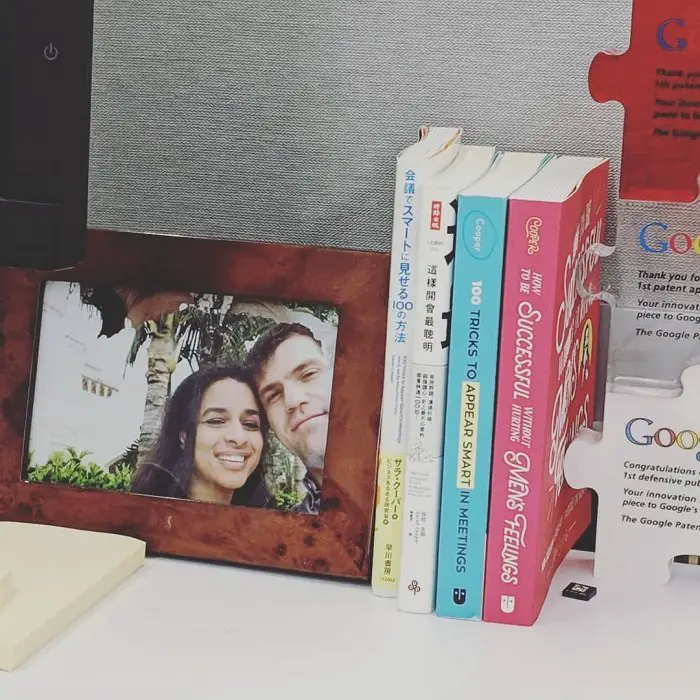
x=532 y=230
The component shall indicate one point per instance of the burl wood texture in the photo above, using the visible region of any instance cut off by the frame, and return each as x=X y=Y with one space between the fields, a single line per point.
x=337 y=541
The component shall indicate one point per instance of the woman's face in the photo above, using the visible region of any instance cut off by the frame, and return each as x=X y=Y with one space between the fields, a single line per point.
x=228 y=441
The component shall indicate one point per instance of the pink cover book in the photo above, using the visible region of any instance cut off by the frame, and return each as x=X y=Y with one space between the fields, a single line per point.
x=546 y=384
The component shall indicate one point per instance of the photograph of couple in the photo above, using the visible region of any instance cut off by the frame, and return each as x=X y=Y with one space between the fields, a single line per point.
x=207 y=397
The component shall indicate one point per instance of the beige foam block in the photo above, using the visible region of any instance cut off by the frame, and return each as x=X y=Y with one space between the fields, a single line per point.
x=6 y=589
x=49 y=576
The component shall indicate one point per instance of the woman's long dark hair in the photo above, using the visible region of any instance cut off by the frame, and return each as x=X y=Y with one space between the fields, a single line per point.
x=168 y=468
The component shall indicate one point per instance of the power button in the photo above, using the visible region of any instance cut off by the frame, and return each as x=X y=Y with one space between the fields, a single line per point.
x=50 y=52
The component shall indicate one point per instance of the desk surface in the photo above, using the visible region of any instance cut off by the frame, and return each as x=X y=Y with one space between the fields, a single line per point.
x=205 y=631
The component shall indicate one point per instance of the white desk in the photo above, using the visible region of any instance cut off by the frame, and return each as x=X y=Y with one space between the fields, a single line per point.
x=202 y=632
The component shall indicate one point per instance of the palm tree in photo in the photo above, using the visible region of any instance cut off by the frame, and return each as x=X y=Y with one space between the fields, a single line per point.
x=161 y=346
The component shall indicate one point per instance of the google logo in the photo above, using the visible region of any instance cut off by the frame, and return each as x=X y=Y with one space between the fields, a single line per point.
x=678 y=243
x=662 y=437
x=677 y=44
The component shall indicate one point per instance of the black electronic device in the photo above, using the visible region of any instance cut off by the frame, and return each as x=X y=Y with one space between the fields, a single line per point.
x=579 y=591
x=45 y=92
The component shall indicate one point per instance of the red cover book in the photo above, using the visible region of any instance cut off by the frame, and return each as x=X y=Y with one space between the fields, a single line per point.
x=546 y=382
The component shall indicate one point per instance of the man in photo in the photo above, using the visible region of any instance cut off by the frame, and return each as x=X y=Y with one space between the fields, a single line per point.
x=294 y=380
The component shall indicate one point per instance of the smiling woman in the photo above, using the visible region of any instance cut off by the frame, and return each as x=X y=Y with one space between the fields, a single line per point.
x=228 y=442
x=211 y=443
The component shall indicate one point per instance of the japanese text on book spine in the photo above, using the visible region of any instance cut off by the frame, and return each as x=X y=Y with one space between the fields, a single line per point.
x=404 y=304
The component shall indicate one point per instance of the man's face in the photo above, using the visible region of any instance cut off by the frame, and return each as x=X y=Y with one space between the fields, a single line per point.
x=295 y=391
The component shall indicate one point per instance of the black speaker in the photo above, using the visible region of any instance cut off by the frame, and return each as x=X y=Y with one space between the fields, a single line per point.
x=45 y=89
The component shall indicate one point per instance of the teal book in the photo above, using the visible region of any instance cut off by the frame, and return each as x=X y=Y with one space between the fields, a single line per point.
x=482 y=215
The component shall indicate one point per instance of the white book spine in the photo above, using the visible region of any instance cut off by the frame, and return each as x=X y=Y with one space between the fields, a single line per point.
x=411 y=170
x=426 y=401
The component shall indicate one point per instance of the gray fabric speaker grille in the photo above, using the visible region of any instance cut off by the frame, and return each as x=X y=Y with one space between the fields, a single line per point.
x=280 y=121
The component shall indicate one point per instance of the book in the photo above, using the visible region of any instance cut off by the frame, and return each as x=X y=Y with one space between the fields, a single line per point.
x=436 y=148
x=428 y=357
x=471 y=383
x=546 y=382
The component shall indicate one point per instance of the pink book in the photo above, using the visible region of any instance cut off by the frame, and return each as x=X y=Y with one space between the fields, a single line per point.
x=546 y=382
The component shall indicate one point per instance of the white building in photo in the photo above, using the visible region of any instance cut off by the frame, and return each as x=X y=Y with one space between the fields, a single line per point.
x=86 y=396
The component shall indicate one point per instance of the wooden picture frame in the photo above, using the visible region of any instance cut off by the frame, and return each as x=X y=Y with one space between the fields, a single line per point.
x=336 y=541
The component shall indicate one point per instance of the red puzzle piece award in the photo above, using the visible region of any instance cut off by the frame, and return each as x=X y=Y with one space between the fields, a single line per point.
x=658 y=82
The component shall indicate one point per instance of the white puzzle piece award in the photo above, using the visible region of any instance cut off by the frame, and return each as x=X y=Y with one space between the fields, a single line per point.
x=645 y=467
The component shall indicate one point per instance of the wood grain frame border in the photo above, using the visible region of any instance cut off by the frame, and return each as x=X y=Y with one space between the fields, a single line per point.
x=337 y=541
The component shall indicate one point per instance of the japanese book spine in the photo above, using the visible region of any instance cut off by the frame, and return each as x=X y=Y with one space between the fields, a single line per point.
x=546 y=393
x=428 y=358
x=436 y=149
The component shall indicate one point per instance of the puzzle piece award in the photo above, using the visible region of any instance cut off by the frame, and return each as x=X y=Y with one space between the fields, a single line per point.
x=645 y=467
x=655 y=272
x=658 y=82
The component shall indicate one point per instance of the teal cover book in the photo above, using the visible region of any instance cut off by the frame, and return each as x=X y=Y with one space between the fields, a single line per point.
x=471 y=390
